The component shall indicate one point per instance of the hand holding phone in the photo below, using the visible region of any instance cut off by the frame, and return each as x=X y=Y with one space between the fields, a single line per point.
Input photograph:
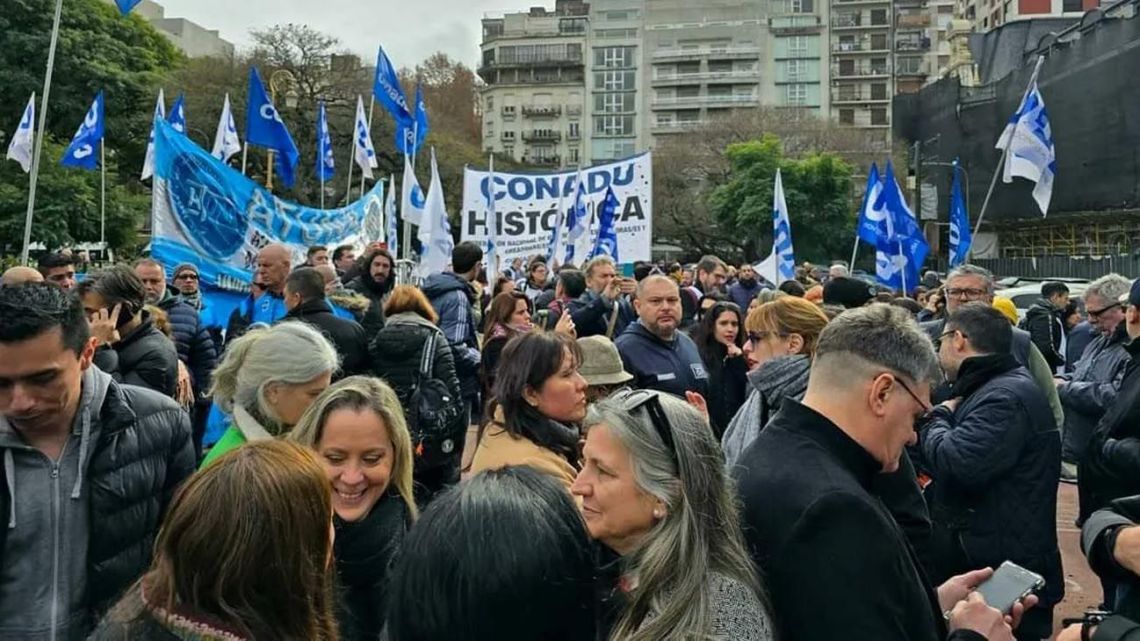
x=1009 y=585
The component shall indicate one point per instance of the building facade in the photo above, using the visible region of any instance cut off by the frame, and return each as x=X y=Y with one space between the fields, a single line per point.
x=862 y=73
x=191 y=38
x=798 y=71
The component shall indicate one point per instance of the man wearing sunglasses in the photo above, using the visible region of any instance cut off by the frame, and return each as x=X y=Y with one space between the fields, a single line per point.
x=970 y=284
x=836 y=562
x=1091 y=389
x=994 y=454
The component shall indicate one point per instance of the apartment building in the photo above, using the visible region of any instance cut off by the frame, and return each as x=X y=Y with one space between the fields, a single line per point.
x=534 y=66
x=862 y=73
x=616 y=80
x=798 y=71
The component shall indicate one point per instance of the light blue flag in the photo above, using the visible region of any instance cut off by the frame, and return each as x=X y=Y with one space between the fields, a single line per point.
x=411 y=134
x=20 y=147
x=177 y=118
x=264 y=127
x=126 y=6
x=607 y=242
x=391 y=236
x=782 y=234
x=326 y=166
x=901 y=250
x=869 y=225
x=577 y=218
x=81 y=152
x=960 y=234
x=1029 y=137
x=387 y=89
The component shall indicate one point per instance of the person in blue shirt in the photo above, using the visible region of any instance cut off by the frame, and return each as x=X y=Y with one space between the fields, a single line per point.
x=266 y=302
x=658 y=355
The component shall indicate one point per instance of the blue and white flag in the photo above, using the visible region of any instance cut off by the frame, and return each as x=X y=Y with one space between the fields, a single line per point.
x=577 y=219
x=363 y=152
x=607 y=242
x=435 y=230
x=20 y=148
x=901 y=249
x=960 y=234
x=159 y=114
x=226 y=141
x=411 y=134
x=869 y=224
x=490 y=251
x=412 y=197
x=1029 y=138
x=560 y=218
x=126 y=6
x=391 y=235
x=264 y=127
x=177 y=117
x=782 y=234
x=81 y=152
x=388 y=90
x=326 y=166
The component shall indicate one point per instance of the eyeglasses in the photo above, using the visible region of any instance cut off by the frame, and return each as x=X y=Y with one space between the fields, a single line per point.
x=926 y=409
x=1094 y=314
x=760 y=337
x=966 y=293
x=632 y=400
x=953 y=331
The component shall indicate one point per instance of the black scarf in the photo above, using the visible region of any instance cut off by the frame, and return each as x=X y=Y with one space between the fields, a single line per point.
x=364 y=549
x=976 y=371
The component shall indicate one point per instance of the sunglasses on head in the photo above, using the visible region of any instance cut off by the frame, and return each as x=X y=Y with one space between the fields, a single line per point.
x=632 y=400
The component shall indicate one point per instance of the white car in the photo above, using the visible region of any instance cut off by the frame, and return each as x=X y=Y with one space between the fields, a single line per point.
x=1023 y=296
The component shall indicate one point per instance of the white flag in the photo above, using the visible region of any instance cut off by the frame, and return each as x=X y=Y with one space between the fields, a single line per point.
x=20 y=149
x=159 y=114
x=364 y=152
x=226 y=141
x=435 y=231
x=782 y=234
x=1029 y=138
x=412 y=197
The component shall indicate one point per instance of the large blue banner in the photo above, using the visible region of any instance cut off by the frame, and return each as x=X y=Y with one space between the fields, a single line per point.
x=207 y=213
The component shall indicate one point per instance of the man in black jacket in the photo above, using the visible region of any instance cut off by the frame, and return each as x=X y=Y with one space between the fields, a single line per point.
x=88 y=467
x=994 y=453
x=130 y=348
x=602 y=304
x=305 y=299
x=1044 y=323
x=837 y=565
x=375 y=281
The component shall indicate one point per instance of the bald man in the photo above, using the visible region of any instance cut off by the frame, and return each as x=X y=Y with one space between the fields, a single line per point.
x=19 y=276
x=274 y=262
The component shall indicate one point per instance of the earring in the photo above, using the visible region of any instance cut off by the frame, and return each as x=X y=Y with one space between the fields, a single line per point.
x=658 y=514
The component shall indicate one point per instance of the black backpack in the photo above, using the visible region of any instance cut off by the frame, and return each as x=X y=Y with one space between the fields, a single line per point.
x=436 y=417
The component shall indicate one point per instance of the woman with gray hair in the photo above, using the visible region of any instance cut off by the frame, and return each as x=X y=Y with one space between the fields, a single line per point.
x=266 y=381
x=654 y=491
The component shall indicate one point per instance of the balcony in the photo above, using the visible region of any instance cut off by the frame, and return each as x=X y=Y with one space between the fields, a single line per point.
x=862 y=46
x=542 y=161
x=542 y=111
x=542 y=135
x=858 y=3
x=846 y=21
x=912 y=21
x=672 y=79
x=856 y=95
x=696 y=102
x=697 y=53
x=509 y=111
x=912 y=68
x=508 y=136
x=859 y=72
x=676 y=126
x=917 y=45
x=795 y=24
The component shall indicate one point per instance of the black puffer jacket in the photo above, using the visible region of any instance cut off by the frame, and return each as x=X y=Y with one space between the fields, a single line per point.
x=995 y=462
x=1043 y=322
x=145 y=357
x=193 y=341
x=345 y=335
x=375 y=292
x=142 y=454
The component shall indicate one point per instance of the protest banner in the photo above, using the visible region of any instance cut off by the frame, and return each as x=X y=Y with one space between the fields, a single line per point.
x=527 y=205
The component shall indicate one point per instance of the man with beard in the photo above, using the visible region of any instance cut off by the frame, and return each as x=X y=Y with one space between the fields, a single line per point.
x=374 y=282
x=746 y=287
x=711 y=275
x=658 y=355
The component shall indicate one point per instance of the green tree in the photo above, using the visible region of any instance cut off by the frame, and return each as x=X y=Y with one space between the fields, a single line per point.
x=817 y=189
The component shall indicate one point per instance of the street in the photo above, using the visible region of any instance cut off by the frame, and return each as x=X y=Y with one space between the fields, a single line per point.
x=1082 y=589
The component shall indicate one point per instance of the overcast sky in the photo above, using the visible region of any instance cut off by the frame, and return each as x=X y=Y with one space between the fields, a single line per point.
x=410 y=31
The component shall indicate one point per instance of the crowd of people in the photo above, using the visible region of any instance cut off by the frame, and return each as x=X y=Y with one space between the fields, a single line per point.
x=557 y=453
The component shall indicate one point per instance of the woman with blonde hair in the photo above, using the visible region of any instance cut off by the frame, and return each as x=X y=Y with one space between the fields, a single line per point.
x=357 y=429
x=781 y=342
x=655 y=493
x=266 y=381
x=398 y=356
x=243 y=555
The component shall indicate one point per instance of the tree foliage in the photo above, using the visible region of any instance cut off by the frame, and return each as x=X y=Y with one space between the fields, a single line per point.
x=816 y=188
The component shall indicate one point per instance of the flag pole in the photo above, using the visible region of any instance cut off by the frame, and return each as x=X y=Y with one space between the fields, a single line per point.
x=902 y=273
x=244 y=156
x=322 y=172
x=854 y=251
x=1004 y=157
x=103 y=195
x=408 y=226
x=40 y=135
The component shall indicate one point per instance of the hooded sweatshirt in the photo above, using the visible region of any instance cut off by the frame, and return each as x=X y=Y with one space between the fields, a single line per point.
x=43 y=588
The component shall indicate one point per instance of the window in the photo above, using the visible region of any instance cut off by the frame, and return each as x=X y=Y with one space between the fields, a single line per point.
x=878 y=91
x=613 y=34
x=797 y=47
x=613 y=57
x=795 y=95
x=879 y=42
x=664 y=119
x=878 y=16
x=574 y=155
x=490 y=103
x=614 y=80
x=509 y=150
x=796 y=70
x=846 y=116
x=575 y=132
x=568 y=52
x=508 y=134
x=608 y=149
x=613 y=125
x=610 y=103
x=508 y=110
x=718 y=66
x=800 y=6
x=1071 y=5
x=490 y=130
x=878 y=116
x=572 y=25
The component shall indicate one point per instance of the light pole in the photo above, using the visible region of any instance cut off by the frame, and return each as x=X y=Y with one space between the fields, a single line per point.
x=287 y=77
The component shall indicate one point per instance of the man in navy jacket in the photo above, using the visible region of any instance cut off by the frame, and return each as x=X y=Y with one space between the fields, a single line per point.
x=658 y=355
